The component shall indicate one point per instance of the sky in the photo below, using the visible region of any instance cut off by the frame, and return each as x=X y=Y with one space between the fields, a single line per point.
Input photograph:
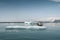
x=20 y=10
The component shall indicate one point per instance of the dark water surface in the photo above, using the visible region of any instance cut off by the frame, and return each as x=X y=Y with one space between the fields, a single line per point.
x=51 y=33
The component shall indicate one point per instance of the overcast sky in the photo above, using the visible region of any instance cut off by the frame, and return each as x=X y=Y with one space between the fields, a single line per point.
x=19 y=10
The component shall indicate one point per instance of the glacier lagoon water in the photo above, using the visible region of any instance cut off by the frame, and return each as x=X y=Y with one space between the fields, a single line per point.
x=51 y=33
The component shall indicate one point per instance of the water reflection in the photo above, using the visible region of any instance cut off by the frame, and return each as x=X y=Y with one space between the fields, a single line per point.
x=24 y=30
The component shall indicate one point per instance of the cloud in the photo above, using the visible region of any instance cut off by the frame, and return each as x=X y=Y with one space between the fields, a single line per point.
x=56 y=0
x=58 y=5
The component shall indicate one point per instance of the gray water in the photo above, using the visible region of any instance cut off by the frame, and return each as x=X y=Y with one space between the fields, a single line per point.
x=51 y=33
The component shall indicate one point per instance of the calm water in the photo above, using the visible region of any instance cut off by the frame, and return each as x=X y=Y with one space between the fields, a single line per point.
x=51 y=33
